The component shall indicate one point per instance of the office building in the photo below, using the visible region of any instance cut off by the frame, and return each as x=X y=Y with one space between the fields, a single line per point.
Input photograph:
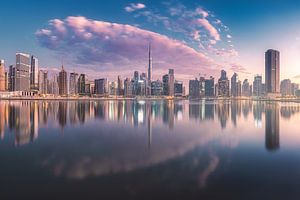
x=73 y=87
x=43 y=82
x=286 y=87
x=22 y=72
x=101 y=87
x=171 y=82
x=128 y=87
x=34 y=74
x=81 y=84
x=272 y=71
x=156 y=88
x=257 y=86
x=120 y=91
x=62 y=82
x=2 y=76
x=234 y=85
x=178 y=88
x=223 y=85
x=246 y=91
x=12 y=78
x=194 y=89
x=149 y=72
x=165 y=80
x=209 y=85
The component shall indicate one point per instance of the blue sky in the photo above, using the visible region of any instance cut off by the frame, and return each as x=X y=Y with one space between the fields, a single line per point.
x=253 y=27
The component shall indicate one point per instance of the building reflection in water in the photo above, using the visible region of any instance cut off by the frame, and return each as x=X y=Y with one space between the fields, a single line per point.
x=272 y=126
x=25 y=118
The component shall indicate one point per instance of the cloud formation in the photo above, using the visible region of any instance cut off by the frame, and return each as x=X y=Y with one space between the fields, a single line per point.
x=133 y=7
x=198 y=27
x=105 y=46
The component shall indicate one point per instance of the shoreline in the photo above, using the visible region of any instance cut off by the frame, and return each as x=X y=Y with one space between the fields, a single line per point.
x=294 y=100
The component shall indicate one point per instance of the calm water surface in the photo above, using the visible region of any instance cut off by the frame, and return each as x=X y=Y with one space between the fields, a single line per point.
x=149 y=150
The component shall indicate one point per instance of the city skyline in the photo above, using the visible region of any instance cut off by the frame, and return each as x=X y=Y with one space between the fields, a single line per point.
x=216 y=40
x=25 y=78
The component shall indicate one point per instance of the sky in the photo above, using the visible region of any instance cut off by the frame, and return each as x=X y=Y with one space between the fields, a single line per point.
x=108 y=38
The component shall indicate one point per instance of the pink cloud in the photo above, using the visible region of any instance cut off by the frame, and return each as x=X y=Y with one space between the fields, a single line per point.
x=111 y=47
x=210 y=28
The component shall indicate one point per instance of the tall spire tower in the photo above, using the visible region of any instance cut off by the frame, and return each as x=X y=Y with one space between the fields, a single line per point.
x=149 y=70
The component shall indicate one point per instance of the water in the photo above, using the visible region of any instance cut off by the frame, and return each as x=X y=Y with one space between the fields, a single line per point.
x=149 y=150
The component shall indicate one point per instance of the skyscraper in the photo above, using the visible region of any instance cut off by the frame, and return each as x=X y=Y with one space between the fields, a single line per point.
x=149 y=71
x=81 y=84
x=43 y=82
x=178 y=88
x=101 y=87
x=120 y=87
x=128 y=87
x=171 y=82
x=246 y=88
x=22 y=72
x=286 y=87
x=234 y=85
x=34 y=73
x=165 y=80
x=209 y=87
x=12 y=78
x=2 y=76
x=223 y=85
x=257 y=86
x=272 y=71
x=194 y=89
x=73 y=89
x=62 y=82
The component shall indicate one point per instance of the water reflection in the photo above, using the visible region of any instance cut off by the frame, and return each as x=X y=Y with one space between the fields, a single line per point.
x=25 y=118
x=177 y=146
x=272 y=126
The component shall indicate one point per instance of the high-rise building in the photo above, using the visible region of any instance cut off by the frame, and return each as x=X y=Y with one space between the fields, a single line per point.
x=178 y=88
x=272 y=71
x=223 y=85
x=81 y=84
x=202 y=86
x=128 y=87
x=101 y=87
x=234 y=85
x=12 y=78
x=257 y=86
x=112 y=88
x=286 y=87
x=73 y=88
x=239 y=88
x=63 y=82
x=295 y=87
x=171 y=82
x=246 y=88
x=149 y=72
x=136 y=79
x=43 y=82
x=34 y=73
x=22 y=72
x=2 y=76
x=53 y=85
x=6 y=81
x=165 y=80
x=156 y=88
x=120 y=91
x=194 y=89
x=209 y=87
